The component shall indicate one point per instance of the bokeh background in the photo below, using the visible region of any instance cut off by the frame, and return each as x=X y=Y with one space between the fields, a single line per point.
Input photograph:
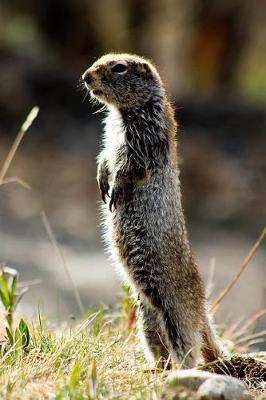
x=212 y=56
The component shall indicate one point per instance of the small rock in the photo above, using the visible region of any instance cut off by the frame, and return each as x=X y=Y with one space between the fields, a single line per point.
x=190 y=378
x=178 y=392
x=223 y=388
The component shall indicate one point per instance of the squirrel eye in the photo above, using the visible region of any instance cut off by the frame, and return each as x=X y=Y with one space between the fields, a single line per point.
x=119 y=68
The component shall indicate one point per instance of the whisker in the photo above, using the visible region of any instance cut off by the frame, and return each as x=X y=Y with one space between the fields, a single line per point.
x=86 y=95
x=103 y=108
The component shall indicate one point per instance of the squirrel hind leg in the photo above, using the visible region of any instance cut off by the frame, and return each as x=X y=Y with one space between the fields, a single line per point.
x=165 y=328
x=184 y=343
x=153 y=336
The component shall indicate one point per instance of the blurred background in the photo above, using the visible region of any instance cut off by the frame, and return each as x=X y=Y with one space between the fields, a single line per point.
x=212 y=56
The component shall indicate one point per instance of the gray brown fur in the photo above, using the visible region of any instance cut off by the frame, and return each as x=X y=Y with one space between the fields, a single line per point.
x=144 y=220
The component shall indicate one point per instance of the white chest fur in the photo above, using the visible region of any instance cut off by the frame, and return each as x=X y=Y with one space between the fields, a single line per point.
x=114 y=138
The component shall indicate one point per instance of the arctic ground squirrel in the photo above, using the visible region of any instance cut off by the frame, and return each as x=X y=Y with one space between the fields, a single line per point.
x=138 y=176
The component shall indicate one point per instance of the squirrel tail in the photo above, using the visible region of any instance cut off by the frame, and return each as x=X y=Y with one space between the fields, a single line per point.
x=212 y=348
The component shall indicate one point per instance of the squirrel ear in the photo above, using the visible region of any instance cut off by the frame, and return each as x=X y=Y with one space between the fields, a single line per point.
x=144 y=68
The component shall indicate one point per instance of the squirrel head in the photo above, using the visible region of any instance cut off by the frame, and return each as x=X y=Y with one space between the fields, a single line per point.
x=123 y=80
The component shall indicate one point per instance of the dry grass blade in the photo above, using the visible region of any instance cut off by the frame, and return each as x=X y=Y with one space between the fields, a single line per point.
x=241 y=335
x=249 y=323
x=61 y=256
x=15 y=179
x=85 y=324
x=258 y=355
x=254 y=342
x=231 y=330
x=211 y=282
x=25 y=126
x=252 y=336
x=29 y=283
x=245 y=263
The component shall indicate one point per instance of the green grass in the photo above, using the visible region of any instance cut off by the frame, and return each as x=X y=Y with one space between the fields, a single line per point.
x=97 y=359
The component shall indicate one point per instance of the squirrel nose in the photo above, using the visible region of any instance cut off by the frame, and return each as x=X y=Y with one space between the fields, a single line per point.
x=87 y=77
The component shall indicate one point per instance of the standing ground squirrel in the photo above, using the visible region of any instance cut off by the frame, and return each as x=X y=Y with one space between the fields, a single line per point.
x=138 y=175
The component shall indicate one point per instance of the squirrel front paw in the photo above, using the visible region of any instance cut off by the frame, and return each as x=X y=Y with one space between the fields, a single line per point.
x=103 y=179
x=104 y=188
x=116 y=193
